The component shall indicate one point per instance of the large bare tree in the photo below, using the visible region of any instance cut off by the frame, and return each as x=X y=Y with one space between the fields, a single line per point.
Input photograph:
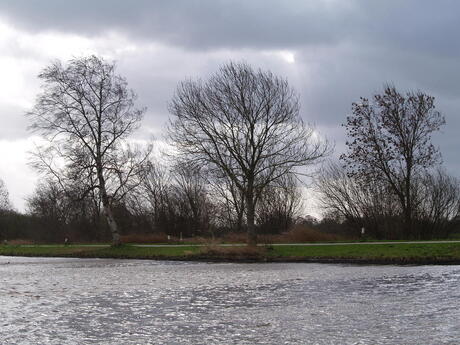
x=85 y=112
x=243 y=124
x=390 y=139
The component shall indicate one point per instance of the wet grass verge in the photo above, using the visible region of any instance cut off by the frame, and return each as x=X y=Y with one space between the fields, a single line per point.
x=395 y=253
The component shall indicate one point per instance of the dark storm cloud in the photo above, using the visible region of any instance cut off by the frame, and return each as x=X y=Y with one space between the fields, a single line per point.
x=343 y=49
x=194 y=24
x=352 y=47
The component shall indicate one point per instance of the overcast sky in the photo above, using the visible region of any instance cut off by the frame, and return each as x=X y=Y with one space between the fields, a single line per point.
x=331 y=51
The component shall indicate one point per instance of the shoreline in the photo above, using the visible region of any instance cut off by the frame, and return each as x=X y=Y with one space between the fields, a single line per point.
x=447 y=254
x=216 y=260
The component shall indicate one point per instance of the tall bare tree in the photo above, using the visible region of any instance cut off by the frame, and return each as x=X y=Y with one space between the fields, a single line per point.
x=85 y=112
x=390 y=139
x=243 y=124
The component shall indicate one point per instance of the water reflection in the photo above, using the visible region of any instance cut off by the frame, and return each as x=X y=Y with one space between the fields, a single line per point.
x=73 y=301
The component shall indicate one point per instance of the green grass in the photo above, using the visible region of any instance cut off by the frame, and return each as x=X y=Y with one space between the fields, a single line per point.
x=128 y=251
x=372 y=251
x=366 y=253
x=124 y=251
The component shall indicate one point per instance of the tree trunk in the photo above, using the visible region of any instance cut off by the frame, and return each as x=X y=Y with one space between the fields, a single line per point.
x=107 y=209
x=408 y=207
x=408 y=223
x=116 y=240
x=406 y=214
x=250 y=216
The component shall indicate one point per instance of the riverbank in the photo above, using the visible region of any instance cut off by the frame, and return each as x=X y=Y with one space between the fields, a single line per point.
x=387 y=253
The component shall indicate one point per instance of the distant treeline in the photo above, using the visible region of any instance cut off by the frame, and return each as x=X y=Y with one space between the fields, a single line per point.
x=239 y=151
x=177 y=202
x=183 y=204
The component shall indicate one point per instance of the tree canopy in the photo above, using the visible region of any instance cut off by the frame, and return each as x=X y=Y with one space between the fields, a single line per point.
x=245 y=125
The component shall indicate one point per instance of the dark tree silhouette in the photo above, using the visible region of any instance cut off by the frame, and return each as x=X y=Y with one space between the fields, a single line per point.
x=279 y=205
x=438 y=201
x=371 y=205
x=243 y=124
x=390 y=139
x=85 y=112
x=230 y=204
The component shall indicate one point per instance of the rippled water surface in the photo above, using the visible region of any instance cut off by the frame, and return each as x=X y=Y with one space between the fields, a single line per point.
x=95 y=301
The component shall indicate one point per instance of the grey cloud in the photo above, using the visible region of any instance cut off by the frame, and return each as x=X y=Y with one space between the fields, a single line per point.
x=422 y=25
x=193 y=24
x=343 y=50
x=13 y=122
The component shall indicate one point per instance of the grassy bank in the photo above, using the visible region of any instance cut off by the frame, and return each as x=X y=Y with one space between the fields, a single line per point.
x=395 y=253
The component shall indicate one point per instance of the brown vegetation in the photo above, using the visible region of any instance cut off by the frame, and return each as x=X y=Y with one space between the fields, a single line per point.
x=234 y=253
x=20 y=242
x=303 y=233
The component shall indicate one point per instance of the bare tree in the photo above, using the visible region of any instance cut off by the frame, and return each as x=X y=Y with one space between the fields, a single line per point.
x=279 y=205
x=174 y=198
x=390 y=139
x=85 y=112
x=5 y=204
x=371 y=204
x=230 y=204
x=155 y=194
x=52 y=209
x=438 y=196
x=243 y=124
x=6 y=210
x=60 y=213
x=191 y=197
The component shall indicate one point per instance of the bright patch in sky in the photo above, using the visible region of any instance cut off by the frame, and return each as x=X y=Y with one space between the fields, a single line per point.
x=288 y=56
x=14 y=170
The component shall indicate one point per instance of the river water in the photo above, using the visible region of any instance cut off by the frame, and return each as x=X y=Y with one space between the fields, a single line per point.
x=99 y=301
